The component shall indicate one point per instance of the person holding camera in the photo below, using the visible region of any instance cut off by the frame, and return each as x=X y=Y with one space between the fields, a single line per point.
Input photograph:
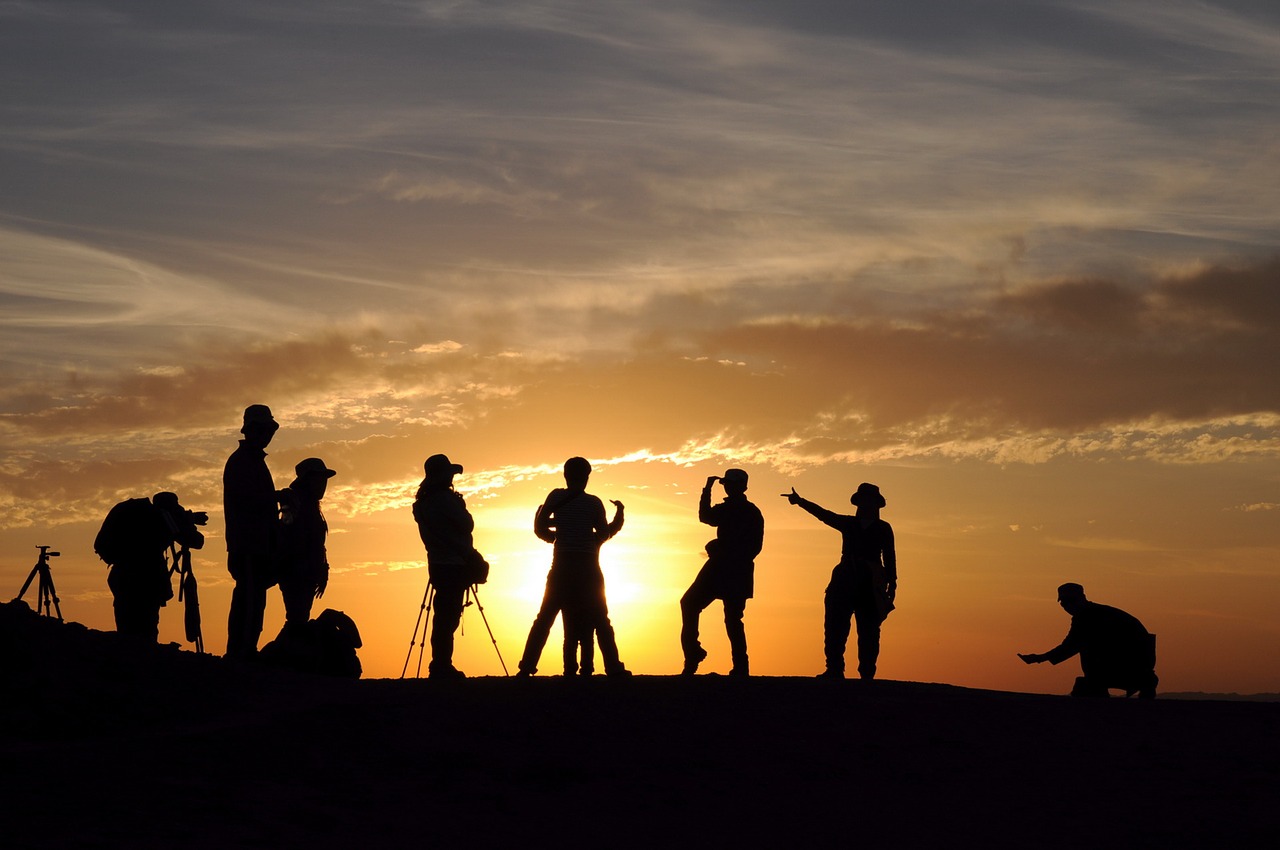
x=863 y=585
x=304 y=563
x=253 y=520
x=453 y=564
x=133 y=539
x=729 y=572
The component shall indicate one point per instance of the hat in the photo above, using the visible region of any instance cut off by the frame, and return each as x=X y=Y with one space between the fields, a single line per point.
x=166 y=500
x=313 y=466
x=259 y=414
x=735 y=475
x=868 y=495
x=440 y=465
x=1071 y=589
x=576 y=467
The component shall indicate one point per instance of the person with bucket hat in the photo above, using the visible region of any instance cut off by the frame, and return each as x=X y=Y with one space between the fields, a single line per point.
x=253 y=519
x=729 y=572
x=863 y=585
x=304 y=563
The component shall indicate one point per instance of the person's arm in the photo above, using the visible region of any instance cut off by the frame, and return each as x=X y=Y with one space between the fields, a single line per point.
x=828 y=517
x=1070 y=646
x=618 y=518
x=890 y=556
x=542 y=521
x=706 y=515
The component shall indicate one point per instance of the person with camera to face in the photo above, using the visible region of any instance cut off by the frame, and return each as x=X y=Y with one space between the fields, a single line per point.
x=253 y=520
x=134 y=539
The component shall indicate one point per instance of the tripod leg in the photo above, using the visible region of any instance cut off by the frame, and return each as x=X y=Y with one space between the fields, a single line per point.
x=26 y=584
x=422 y=644
x=426 y=593
x=49 y=592
x=475 y=593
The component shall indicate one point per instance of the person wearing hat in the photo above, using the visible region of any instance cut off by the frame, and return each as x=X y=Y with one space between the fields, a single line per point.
x=863 y=585
x=445 y=526
x=134 y=539
x=729 y=572
x=304 y=563
x=574 y=521
x=252 y=517
x=1115 y=649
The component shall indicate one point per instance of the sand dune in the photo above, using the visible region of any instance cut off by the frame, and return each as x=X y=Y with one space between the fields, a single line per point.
x=104 y=747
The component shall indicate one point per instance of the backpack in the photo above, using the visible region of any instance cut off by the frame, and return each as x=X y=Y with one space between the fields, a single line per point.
x=132 y=526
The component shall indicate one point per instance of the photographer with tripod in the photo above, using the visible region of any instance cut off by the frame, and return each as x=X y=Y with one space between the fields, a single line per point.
x=133 y=540
x=453 y=564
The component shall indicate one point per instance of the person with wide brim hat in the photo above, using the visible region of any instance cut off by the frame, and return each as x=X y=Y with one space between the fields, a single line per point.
x=863 y=585
x=252 y=530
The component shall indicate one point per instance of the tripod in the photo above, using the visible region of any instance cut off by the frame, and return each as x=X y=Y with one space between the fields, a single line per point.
x=424 y=618
x=46 y=594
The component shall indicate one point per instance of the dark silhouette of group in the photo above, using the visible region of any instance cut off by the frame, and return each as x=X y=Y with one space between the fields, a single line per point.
x=278 y=537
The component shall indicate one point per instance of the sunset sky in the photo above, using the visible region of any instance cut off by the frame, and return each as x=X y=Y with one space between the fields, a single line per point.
x=1016 y=262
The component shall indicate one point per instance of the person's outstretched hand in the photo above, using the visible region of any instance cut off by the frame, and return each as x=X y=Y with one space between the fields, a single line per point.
x=1030 y=658
x=793 y=497
x=617 y=504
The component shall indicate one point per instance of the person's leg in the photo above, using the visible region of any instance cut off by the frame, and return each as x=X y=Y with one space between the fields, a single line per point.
x=541 y=628
x=297 y=596
x=571 y=621
x=837 y=611
x=733 y=611
x=868 y=622
x=587 y=640
x=446 y=613
x=692 y=604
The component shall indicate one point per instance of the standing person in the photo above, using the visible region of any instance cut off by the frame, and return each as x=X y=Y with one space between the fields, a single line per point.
x=575 y=521
x=133 y=540
x=304 y=563
x=446 y=527
x=1115 y=649
x=728 y=574
x=250 y=506
x=864 y=583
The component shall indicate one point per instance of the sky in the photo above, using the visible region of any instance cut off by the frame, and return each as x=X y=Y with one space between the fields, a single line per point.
x=1017 y=263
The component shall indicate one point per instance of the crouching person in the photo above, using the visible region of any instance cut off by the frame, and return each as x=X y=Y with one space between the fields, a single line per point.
x=1115 y=649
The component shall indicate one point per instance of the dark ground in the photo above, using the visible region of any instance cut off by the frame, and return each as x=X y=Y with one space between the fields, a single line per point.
x=103 y=747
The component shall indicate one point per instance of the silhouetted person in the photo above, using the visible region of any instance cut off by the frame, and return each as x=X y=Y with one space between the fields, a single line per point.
x=1115 y=649
x=133 y=540
x=575 y=521
x=864 y=583
x=250 y=506
x=446 y=527
x=304 y=563
x=729 y=572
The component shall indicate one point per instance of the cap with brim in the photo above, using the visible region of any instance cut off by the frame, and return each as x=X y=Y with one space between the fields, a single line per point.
x=737 y=476
x=441 y=465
